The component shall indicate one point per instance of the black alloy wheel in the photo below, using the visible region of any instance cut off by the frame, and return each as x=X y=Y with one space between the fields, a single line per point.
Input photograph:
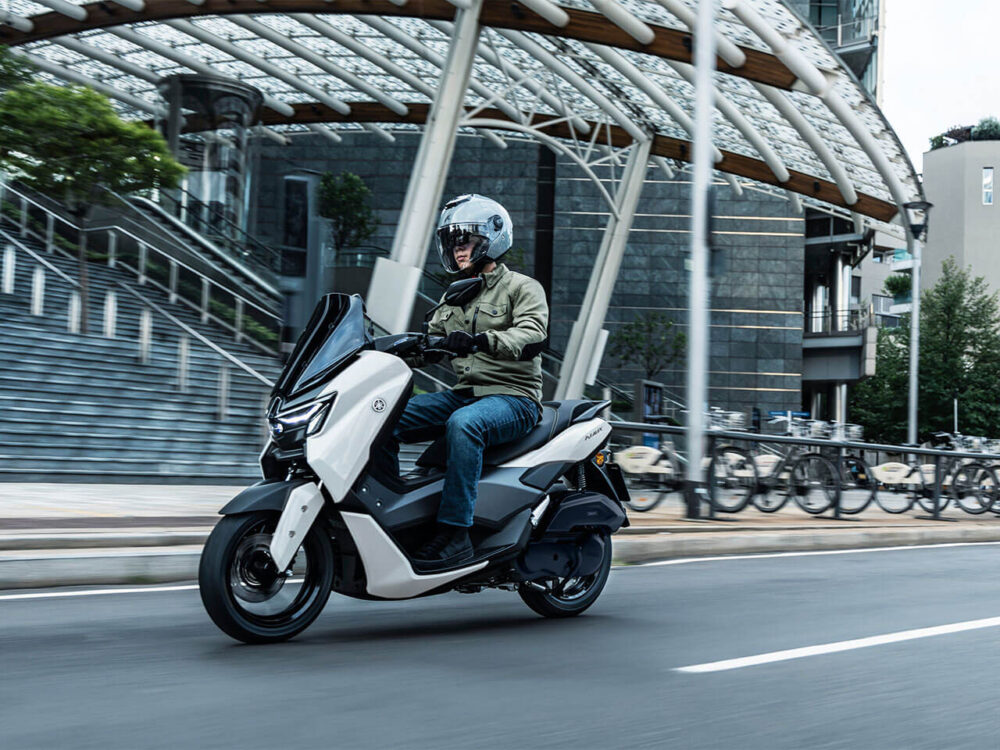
x=567 y=597
x=243 y=592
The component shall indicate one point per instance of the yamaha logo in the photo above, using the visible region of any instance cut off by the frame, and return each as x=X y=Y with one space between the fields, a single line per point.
x=277 y=428
x=378 y=405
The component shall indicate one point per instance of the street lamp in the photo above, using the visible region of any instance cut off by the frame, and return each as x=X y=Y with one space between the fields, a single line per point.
x=917 y=213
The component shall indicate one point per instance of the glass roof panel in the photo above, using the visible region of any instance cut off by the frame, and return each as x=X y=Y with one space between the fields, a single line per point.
x=489 y=79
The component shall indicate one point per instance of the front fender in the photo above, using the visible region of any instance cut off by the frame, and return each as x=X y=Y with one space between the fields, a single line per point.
x=267 y=495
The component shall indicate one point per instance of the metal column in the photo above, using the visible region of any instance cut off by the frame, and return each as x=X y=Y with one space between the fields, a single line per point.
x=394 y=282
x=915 y=246
x=586 y=330
x=698 y=330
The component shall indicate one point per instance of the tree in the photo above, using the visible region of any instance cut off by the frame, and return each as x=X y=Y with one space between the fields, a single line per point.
x=649 y=342
x=959 y=358
x=14 y=70
x=70 y=144
x=343 y=199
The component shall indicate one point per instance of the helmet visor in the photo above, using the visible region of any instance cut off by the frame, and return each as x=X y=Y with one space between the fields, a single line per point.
x=458 y=243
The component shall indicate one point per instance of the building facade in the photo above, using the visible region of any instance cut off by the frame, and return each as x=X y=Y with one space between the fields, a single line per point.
x=559 y=217
x=960 y=181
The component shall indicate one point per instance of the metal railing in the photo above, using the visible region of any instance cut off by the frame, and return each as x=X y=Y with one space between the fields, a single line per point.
x=943 y=461
x=217 y=301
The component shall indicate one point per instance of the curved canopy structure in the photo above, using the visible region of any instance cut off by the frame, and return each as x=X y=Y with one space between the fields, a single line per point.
x=592 y=75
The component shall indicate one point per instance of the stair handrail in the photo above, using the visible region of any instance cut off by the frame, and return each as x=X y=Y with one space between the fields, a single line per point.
x=204 y=242
x=24 y=248
x=194 y=334
x=6 y=186
x=242 y=235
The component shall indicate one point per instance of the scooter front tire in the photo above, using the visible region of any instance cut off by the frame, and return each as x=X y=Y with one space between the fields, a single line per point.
x=246 y=597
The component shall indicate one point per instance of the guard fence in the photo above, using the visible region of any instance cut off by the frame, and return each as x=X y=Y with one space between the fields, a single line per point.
x=836 y=474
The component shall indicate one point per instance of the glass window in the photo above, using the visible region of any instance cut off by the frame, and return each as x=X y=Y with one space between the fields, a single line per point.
x=987 y=186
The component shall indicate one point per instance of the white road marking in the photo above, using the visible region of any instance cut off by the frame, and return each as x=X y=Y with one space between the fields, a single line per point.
x=96 y=592
x=765 y=555
x=833 y=648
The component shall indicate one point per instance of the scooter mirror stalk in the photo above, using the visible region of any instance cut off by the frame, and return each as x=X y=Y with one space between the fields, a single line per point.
x=457 y=294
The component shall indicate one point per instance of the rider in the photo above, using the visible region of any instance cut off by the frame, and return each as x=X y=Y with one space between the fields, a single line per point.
x=498 y=338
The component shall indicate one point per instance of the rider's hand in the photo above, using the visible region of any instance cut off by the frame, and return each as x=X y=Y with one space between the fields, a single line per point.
x=463 y=342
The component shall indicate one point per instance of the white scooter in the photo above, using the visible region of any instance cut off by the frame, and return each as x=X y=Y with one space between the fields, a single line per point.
x=329 y=517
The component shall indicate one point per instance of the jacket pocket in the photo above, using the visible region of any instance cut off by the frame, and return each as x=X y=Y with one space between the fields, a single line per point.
x=490 y=317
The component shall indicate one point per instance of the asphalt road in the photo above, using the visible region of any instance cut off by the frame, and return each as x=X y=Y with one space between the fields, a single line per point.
x=149 y=670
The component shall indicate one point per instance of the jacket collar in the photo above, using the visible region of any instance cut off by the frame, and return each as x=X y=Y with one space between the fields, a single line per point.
x=495 y=275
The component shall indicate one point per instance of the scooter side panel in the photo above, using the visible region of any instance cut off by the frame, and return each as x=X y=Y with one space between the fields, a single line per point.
x=573 y=444
x=388 y=573
x=367 y=391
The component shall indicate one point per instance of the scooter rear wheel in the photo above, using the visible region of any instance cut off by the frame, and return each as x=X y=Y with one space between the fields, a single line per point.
x=568 y=597
x=243 y=592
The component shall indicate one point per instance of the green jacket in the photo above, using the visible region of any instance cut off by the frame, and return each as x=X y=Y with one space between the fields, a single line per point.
x=511 y=310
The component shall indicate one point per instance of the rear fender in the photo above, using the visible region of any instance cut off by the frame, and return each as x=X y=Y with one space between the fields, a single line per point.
x=580 y=511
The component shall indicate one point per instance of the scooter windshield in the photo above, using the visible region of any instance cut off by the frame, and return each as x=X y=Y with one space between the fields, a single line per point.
x=335 y=333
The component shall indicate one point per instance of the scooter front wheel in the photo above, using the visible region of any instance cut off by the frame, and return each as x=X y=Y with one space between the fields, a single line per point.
x=246 y=595
x=566 y=597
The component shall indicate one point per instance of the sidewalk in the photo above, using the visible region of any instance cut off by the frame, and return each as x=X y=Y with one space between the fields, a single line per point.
x=78 y=534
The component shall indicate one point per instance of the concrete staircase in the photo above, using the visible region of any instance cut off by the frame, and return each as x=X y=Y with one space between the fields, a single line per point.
x=77 y=407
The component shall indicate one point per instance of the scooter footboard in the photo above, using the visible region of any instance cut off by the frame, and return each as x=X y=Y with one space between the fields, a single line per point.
x=583 y=511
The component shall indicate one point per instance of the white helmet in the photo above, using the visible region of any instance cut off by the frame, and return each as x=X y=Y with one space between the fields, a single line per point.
x=473 y=216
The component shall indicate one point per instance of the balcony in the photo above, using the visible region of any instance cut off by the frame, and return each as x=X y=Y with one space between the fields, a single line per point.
x=901 y=261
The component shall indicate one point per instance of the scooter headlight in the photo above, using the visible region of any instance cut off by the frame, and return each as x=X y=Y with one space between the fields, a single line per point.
x=310 y=416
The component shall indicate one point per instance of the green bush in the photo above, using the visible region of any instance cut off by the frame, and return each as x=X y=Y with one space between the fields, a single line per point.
x=988 y=129
x=898 y=284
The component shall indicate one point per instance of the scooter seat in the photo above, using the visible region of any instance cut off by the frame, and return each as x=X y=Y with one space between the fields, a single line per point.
x=556 y=416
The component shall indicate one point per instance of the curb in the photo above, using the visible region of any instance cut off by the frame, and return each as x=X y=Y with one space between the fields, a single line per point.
x=171 y=561
x=629 y=551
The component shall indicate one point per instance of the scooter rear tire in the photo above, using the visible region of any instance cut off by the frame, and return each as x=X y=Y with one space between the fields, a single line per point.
x=549 y=604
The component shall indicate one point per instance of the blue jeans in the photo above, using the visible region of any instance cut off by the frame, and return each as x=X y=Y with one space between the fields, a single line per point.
x=470 y=425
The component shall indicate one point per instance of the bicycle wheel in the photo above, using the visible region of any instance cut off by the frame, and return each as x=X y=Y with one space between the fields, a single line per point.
x=925 y=499
x=645 y=499
x=857 y=485
x=899 y=497
x=974 y=488
x=814 y=483
x=732 y=479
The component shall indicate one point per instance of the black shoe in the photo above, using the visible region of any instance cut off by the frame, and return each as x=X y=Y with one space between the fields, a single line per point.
x=450 y=545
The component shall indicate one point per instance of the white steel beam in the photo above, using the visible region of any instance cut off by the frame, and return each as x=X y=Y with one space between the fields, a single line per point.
x=562 y=70
x=137 y=5
x=549 y=11
x=620 y=17
x=237 y=52
x=108 y=58
x=728 y=51
x=401 y=37
x=132 y=69
x=586 y=330
x=266 y=32
x=76 y=12
x=327 y=132
x=22 y=24
x=812 y=138
x=813 y=80
x=182 y=58
x=656 y=93
x=740 y=122
x=334 y=34
x=394 y=281
x=71 y=75
x=526 y=81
